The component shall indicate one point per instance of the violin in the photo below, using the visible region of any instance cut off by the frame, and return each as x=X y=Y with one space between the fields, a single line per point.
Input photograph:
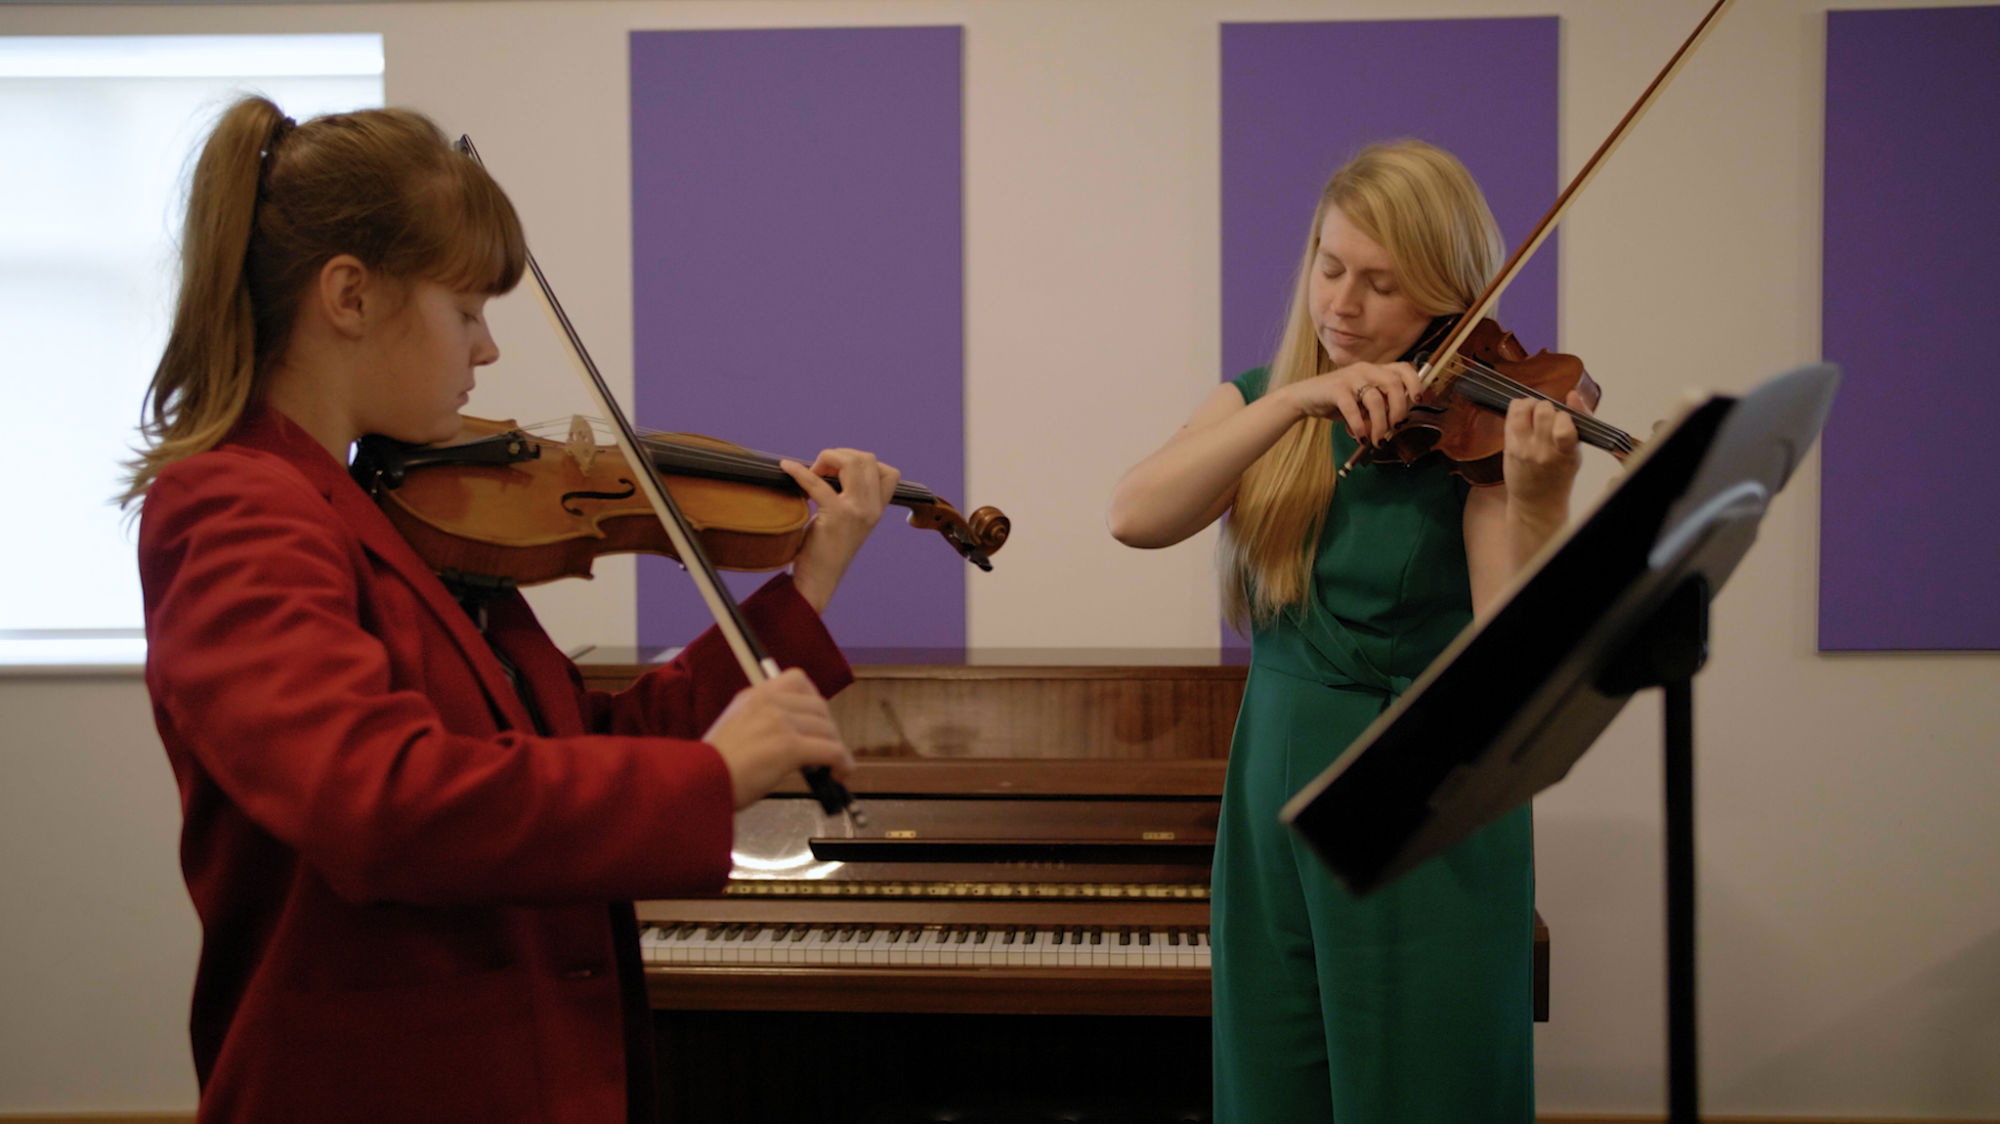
x=501 y=507
x=1463 y=419
x=1471 y=370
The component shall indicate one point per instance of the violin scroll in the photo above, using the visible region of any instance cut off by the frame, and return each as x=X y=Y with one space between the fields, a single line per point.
x=975 y=538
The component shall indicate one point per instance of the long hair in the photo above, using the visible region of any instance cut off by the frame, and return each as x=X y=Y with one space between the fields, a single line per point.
x=269 y=204
x=1421 y=205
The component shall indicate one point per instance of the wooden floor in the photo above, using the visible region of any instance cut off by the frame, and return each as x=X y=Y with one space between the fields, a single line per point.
x=1549 y=1119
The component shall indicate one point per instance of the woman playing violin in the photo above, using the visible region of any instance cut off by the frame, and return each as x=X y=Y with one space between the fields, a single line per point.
x=411 y=835
x=1415 y=1003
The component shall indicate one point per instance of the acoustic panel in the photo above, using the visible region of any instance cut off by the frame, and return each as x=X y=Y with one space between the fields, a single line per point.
x=1909 y=502
x=797 y=283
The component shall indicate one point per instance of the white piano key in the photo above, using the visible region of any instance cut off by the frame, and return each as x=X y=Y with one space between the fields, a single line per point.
x=1045 y=948
x=980 y=953
x=824 y=946
x=796 y=943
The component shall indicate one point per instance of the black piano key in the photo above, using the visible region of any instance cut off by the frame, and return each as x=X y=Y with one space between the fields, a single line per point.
x=686 y=931
x=1124 y=936
x=846 y=933
x=1097 y=936
x=1145 y=936
x=1009 y=938
x=827 y=935
x=979 y=935
x=801 y=933
x=959 y=934
x=1173 y=936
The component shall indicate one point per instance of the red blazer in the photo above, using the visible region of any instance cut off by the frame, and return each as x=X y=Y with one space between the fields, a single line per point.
x=408 y=898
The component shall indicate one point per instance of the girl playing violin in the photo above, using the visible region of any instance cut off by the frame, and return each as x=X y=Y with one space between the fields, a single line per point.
x=412 y=837
x=1414 y=1004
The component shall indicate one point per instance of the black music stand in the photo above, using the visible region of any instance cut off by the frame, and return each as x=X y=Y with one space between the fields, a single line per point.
x=1622 y=604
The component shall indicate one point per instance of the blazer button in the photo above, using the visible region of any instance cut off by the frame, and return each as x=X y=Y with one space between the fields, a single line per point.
x=579 y=973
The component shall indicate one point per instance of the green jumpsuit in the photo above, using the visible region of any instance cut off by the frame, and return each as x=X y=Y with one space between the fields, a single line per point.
x=1415 y=1003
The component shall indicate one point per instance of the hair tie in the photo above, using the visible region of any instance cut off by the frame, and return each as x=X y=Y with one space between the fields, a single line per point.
x=279 y=132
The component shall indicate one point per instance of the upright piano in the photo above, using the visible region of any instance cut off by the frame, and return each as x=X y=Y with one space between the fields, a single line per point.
x=1018 y=932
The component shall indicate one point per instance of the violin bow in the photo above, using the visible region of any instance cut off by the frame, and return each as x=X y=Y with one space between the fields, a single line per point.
x=757 y=664
x=1438 y=369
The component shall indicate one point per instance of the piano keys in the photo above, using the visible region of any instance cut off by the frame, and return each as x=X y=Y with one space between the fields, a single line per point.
x=917 y=944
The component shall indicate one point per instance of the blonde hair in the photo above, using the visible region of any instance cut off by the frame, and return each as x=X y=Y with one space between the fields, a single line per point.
x=269 y=204
x=1421 y=205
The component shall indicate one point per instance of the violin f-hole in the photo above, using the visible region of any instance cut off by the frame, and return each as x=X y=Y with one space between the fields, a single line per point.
x=630 y=488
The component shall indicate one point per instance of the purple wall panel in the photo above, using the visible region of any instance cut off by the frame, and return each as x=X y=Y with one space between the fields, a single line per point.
x=797 y=283
x=1298 y=99
x=1909 y=497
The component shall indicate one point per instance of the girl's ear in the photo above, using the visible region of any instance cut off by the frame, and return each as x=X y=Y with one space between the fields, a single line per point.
x=346 y=296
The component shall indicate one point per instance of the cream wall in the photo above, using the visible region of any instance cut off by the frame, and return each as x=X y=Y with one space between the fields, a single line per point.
x=1850 y=906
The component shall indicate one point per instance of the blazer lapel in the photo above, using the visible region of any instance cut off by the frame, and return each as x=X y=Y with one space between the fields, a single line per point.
x=381 y=539
x=272 y=432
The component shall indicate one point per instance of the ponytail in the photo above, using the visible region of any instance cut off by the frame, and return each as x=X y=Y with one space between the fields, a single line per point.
x=203 y=381
x=269 y=205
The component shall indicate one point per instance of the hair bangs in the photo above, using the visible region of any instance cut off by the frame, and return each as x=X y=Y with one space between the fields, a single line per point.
x=484 y=249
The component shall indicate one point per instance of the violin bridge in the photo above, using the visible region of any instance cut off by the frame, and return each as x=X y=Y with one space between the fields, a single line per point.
x=582 y=443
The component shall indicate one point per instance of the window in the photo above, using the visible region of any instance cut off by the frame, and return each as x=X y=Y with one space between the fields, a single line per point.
x=99 y=134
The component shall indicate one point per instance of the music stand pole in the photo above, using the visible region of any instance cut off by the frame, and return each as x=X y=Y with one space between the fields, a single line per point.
x=1683 y=1055
x=1668 y=651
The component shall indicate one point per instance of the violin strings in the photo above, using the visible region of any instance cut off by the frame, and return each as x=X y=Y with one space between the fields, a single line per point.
x=1495 y=391
x=1491 y=388
x=1610 y=436
x=747 y=465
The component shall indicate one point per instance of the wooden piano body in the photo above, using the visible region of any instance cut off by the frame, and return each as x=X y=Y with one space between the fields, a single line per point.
x=1022 y=922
